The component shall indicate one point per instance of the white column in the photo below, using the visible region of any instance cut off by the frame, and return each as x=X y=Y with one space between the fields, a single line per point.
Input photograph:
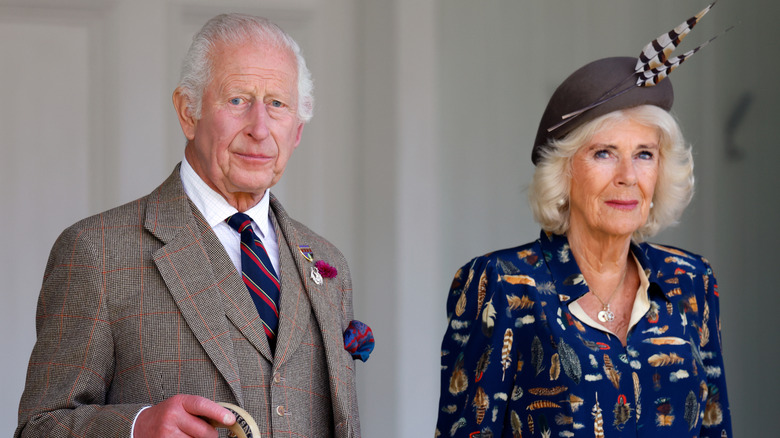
x=418 y=218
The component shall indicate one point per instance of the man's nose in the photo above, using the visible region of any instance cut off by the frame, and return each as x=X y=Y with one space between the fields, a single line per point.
x=257 y=121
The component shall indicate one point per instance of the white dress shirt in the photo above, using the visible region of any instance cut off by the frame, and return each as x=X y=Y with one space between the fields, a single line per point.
x=216 y=209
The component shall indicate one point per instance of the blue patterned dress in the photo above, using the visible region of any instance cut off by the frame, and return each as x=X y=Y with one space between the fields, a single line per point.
x=517 y=363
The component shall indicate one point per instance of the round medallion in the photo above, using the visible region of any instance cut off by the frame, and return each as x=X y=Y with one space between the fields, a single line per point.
x=244 y=427
x=606 y=315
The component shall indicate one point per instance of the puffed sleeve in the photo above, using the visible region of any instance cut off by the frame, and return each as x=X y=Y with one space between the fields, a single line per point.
x=717 y=416
x=476 y=377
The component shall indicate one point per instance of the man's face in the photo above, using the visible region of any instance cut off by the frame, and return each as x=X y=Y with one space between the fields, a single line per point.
x=249 y=125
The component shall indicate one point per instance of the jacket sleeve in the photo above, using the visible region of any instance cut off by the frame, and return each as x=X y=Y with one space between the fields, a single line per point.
x=72 y=362
x=475 y=384
x=717 y=416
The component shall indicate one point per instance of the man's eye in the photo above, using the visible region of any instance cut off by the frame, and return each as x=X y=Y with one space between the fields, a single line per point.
x=235 y=101
x=276 y=104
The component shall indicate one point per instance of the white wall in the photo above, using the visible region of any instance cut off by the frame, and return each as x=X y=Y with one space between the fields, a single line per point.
x=46 y=182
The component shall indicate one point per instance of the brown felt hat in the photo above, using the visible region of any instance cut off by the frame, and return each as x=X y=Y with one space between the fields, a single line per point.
x=590 y=84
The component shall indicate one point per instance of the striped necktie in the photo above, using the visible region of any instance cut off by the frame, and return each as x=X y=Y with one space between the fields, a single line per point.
x=258 y=274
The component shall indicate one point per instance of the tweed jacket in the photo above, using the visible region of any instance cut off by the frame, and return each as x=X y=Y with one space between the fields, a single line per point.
x=142 y=302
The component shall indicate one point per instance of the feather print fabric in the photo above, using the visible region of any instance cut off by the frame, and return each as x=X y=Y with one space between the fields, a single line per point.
x=527 y=367
x=598 y=420
x=506 y=360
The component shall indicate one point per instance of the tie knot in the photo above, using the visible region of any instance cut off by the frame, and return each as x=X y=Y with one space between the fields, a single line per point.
x=239 y=222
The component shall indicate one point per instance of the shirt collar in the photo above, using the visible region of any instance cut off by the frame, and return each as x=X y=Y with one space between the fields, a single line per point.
x=214 y=207
x=639 y=309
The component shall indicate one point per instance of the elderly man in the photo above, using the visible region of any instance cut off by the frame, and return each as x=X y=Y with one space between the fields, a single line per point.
x=204 y=291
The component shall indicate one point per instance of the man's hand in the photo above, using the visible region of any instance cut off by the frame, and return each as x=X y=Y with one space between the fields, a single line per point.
x=182 y=416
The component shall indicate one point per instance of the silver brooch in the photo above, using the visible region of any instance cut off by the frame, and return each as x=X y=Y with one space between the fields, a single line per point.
x=315 y=275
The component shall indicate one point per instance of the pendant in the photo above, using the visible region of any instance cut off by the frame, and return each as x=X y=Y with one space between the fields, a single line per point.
x=606 y=315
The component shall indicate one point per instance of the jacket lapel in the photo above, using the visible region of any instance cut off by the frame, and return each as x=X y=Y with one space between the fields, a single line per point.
x=295 y=307
x=198 y=289
x=323 y=298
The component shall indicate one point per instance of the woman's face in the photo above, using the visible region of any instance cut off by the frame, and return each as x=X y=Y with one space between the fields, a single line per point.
x=613 y=178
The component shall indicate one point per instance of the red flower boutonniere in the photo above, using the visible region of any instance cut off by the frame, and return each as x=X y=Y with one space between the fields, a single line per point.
x=325 y=269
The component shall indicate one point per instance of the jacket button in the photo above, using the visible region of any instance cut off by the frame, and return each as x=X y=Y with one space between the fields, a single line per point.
x=277 y=377
x=280 y=411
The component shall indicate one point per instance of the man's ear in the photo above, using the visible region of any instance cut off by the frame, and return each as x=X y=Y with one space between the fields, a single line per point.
x=187 y=121
x=298 y=134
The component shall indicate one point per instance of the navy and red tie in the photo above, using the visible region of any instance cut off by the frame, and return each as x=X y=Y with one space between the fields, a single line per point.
x=258 y=274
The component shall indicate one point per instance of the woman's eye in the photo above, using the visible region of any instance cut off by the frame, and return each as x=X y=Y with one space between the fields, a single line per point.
x=646 y=155
x=602 y=154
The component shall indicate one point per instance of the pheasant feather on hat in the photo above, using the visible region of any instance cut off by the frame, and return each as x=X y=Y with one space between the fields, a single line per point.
x=632 y=80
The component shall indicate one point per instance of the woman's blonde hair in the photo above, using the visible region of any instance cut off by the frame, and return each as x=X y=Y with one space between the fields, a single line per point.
x=549 y=190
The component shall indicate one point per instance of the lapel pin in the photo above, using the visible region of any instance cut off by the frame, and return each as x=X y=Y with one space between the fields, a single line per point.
x=306 y=252
x=315 y=275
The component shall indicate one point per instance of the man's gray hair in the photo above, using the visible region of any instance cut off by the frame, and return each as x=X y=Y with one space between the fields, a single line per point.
x=236 y=29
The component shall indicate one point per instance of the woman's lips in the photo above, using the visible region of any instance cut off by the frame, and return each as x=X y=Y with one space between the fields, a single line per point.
x=622 y=205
